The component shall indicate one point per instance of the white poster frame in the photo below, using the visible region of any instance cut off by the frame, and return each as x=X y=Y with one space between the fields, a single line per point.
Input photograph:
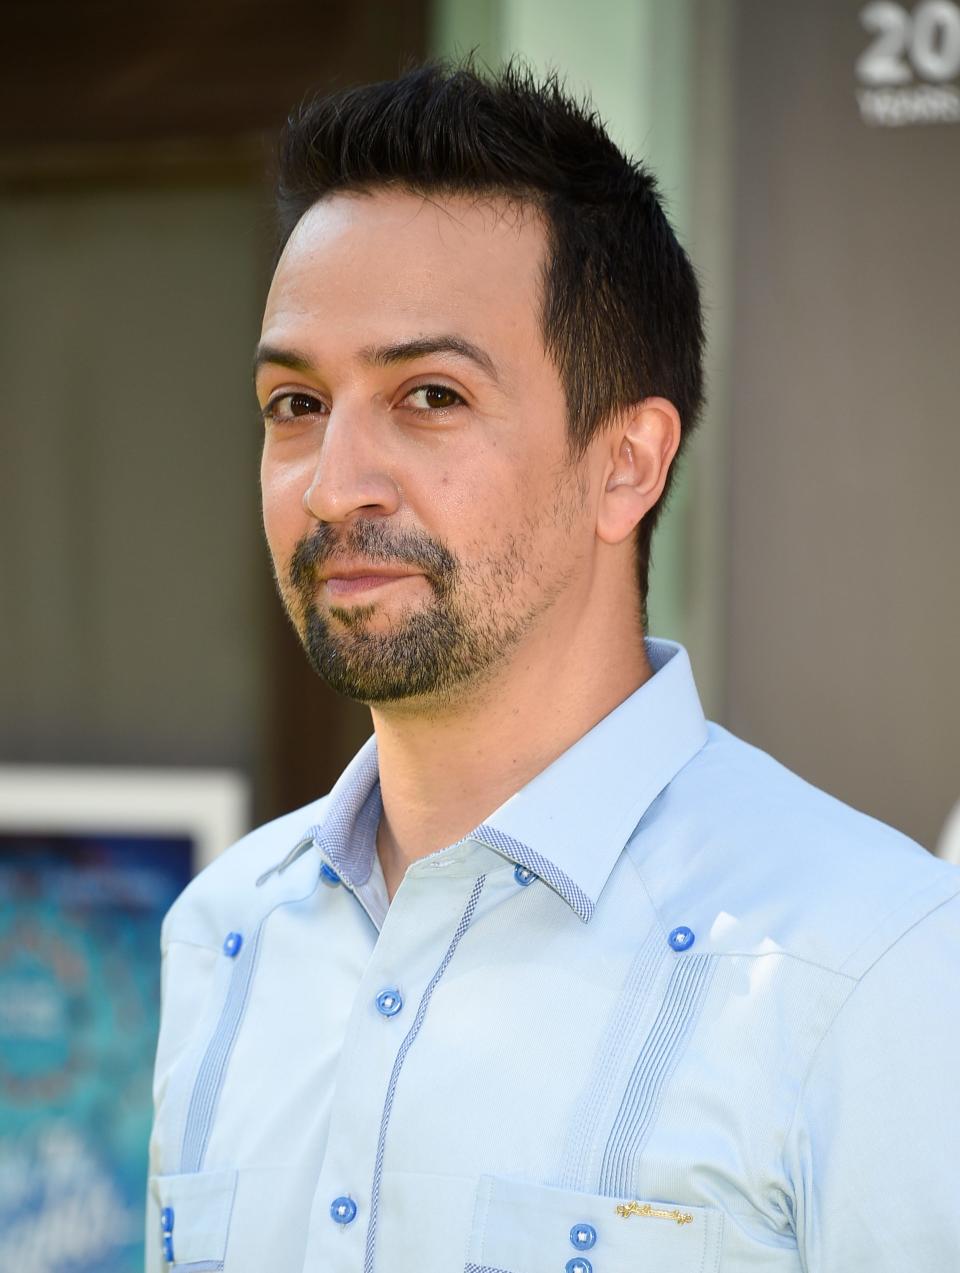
x=210 y=806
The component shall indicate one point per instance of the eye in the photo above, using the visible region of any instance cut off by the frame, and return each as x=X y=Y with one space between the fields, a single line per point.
x=434 y=398
x=291 y=406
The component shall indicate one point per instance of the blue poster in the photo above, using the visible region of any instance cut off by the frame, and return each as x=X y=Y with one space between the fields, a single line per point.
x=79 y=1005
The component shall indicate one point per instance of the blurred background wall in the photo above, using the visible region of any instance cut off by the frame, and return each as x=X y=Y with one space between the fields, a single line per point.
x=139 y=624
x=843 y=537
x=809 y=154
x=809 y=557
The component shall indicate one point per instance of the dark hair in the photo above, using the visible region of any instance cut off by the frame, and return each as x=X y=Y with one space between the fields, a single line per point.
x=620 y=308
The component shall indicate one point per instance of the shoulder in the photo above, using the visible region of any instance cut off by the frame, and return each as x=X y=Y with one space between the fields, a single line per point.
x=769 y=863
x=878 y=1098
x=220 y=898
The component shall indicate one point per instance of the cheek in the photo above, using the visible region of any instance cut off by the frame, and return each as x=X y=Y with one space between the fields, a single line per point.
x=285 y=522
x=455 y=494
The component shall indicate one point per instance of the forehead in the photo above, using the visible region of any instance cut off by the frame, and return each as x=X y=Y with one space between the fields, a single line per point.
x=369 y=260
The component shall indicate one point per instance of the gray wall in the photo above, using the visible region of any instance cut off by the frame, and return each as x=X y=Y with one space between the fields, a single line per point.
x=138 y=622
x=844 y=605
x=132 y=575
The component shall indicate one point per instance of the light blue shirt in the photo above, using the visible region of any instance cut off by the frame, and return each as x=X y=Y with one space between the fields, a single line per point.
x=668 y=1007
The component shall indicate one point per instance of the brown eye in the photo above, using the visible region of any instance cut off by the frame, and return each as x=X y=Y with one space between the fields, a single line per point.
x=438 y=396
x=301 y=404
x=435 y=398
x=291 y=406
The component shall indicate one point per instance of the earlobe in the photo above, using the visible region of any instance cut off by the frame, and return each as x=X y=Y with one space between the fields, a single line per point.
x=642 y=448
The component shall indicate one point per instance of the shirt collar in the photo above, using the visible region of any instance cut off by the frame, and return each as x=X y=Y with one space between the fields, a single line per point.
x=570 y=823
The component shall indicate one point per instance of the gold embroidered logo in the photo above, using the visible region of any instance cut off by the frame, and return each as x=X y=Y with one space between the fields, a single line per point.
x=645 y=1209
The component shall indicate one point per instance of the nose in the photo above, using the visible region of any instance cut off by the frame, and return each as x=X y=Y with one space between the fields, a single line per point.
x=351 y=474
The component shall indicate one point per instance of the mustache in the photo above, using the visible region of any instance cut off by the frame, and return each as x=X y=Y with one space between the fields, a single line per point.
x=372 y=541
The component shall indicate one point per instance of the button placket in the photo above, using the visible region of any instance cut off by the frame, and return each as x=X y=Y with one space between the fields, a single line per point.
x=413 y=942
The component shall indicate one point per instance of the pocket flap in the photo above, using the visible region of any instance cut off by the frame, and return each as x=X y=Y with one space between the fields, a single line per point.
x=195 y=1210
x=524 y=1228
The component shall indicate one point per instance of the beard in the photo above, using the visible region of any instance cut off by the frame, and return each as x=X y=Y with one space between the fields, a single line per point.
x=463 y=632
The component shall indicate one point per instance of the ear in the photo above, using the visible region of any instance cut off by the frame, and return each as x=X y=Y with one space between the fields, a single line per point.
x=642 y=446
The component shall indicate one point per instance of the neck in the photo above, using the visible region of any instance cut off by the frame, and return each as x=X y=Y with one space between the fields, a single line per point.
x=443 y=772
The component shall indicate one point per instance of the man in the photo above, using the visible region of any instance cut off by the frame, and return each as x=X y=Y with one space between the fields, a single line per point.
x=559 y=976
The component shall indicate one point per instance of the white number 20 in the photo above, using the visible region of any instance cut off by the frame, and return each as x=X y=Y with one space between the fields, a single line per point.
x=929 y=37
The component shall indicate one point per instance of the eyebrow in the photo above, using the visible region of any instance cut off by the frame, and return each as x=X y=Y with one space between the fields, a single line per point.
x=387 y=355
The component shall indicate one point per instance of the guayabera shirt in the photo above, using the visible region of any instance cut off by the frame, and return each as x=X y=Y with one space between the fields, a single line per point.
x=668 y=1007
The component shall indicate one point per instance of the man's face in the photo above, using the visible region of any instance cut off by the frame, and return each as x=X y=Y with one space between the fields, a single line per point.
x=420 y=507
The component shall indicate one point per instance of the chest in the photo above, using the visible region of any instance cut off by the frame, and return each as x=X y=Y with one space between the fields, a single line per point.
x=487 y=1084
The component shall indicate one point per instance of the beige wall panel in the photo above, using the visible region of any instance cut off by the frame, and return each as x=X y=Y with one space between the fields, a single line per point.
x=844 y=601
x=131 y=570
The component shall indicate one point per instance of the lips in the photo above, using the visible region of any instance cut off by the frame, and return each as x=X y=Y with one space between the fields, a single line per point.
x=366 y=572
x=364 y=579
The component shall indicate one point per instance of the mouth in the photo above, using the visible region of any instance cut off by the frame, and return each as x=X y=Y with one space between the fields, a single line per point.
x=346 y=583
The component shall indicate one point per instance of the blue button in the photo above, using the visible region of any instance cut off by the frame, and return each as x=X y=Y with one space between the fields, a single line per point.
x=681 y=938
x=343 y=1210
x=523 y=875
x=329 y=875
x=168 y=1247
x=231 y=945
x=166 y=1219
x=583 y=1236
x=389 y=1002
x=579 y=1264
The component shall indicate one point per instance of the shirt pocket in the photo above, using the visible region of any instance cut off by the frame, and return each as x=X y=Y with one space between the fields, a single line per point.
x=195 y=1212
x=524 y=1228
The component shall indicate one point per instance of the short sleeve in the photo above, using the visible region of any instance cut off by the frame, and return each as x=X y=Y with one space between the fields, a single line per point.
x=874 y=1149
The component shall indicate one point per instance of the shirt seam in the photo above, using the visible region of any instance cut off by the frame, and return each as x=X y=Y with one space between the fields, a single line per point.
x=828 y=1029
x=783 y=952
x=891 y=915
x=743 y=954
x=213 y=947
x=646 y=890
